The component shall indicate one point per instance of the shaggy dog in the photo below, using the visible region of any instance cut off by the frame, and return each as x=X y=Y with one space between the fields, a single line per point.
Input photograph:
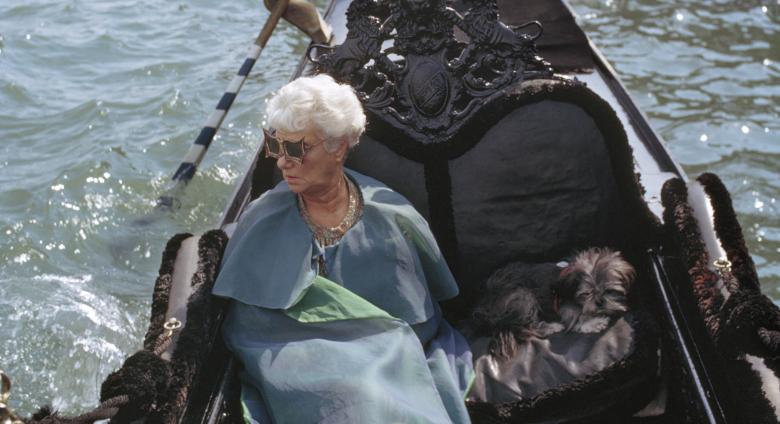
x=517 y=304
x=593 y=289
x=525 y=300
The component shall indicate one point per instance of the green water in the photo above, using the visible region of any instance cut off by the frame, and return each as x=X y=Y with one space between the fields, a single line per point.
x=707 y=75
x=100 y=100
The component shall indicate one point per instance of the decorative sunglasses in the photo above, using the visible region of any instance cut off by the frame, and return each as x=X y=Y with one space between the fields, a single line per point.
x=291 y=150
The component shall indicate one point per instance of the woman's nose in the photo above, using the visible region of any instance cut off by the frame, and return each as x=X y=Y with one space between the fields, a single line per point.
x=283 y=163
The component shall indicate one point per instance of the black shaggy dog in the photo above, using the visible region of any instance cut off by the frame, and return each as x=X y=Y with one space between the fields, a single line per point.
x=517 y=304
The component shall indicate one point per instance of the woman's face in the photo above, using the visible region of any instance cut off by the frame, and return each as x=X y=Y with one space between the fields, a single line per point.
x=320 y=169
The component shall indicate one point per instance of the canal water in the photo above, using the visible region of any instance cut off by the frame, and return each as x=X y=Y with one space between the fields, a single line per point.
x=100 y=100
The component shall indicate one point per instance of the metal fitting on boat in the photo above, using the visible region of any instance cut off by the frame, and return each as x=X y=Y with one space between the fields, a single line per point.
x=171 y=326
x=723 y=265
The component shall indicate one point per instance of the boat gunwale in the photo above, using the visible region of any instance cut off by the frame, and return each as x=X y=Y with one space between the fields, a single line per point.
x=242 y=194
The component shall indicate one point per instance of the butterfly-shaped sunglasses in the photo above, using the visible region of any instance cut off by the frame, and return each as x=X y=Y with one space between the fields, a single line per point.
x=291 y=150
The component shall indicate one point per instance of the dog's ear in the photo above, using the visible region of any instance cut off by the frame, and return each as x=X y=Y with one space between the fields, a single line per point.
x=629 y=272
x=568 y=281
x=621 y=269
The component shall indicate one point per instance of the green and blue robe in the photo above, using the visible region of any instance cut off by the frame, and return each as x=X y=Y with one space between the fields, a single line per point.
x=367 y=344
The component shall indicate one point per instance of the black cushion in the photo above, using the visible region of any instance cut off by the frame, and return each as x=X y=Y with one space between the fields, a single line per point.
x=537 y=185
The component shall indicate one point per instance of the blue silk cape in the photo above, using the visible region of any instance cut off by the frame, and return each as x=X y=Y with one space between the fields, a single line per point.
x=368 y=343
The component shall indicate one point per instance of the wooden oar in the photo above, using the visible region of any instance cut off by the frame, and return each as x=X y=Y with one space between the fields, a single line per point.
x=299 y=13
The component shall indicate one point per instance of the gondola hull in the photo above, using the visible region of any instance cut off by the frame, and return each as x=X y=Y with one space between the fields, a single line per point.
x=683 y=366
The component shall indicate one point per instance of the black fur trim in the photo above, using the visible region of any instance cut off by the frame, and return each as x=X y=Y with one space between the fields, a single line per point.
x=683 y=228
x=192 y=346
x=751 y=400
x=143 y=377
x=162 y=289
x=749 y=321
x=730 y=232
x=734 y=323
x=770 y=338
x=47 y=415
x=743 y=315
x=43 y=412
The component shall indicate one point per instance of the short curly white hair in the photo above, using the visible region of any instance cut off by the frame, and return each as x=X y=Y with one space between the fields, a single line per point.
x=320 y=104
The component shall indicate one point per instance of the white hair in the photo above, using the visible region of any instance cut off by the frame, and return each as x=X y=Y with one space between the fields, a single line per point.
x=320 y=104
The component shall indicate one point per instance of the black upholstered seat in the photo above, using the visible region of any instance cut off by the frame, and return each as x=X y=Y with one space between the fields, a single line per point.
x=535 y=184
x=539 y=173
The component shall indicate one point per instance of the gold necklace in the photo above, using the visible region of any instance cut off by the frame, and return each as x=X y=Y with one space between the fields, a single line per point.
x=327 y=236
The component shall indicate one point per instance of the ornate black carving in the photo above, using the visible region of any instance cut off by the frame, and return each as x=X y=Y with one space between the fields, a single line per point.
x=426 y=84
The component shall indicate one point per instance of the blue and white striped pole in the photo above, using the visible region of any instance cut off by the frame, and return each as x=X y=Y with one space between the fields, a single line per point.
x=197 y=151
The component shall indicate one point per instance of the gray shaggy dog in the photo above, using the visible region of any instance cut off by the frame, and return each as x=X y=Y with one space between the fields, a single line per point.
x=523 y=300
x=593 y=289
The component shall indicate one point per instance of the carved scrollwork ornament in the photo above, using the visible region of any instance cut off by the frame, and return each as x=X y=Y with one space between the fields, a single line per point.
x=402 y=58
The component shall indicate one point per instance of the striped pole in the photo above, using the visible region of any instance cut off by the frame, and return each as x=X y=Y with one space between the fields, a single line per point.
x=197 y=151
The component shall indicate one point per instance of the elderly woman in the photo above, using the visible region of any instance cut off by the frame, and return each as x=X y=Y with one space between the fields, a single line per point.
x=334 y=281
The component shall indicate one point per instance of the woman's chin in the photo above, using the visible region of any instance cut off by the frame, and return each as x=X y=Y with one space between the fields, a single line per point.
x=295 y=185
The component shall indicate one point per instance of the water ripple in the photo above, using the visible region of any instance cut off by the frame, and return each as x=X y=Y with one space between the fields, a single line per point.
x=99 y=101
x=706 y=74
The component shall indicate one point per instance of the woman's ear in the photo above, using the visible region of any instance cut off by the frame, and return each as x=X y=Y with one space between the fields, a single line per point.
x=341 y=152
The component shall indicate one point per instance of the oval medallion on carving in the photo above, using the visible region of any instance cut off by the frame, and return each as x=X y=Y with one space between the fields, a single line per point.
x=429 y=88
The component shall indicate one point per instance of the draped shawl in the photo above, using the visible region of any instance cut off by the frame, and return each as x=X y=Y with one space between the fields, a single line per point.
x=367 y=343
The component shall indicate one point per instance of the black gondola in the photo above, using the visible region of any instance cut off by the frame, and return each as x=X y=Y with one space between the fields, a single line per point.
x=508 y=160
